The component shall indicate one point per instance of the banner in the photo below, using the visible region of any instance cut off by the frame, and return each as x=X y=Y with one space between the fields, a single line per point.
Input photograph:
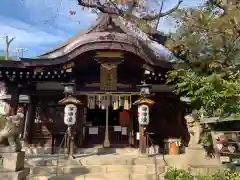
x=123 y=118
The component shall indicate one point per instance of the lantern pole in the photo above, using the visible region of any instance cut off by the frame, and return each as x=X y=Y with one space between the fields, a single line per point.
x=70 y=113
x=143 y=116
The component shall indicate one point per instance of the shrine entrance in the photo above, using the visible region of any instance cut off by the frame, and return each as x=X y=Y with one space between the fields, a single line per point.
x=108 y=118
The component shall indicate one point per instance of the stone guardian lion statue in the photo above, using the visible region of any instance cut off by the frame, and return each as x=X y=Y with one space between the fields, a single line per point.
x=11 y=132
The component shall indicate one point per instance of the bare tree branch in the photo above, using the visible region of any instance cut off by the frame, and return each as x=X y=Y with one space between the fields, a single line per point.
x=132 y=7
x=116 y=11
x=115 y=6
x=101 y=7
x=156 y=16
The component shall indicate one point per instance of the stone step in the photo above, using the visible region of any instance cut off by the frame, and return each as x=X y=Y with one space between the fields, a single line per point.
x=38 y=177
x=49 y=162
x=82 y=170
x=95 y=160
x=94 y=150
x=121 y=161
x=97 y=176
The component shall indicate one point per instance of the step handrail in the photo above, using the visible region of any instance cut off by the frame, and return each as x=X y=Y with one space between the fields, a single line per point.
x=59 y=150
x=155 y=154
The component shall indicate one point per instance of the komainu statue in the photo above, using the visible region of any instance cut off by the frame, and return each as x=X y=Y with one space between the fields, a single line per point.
x=10 y=132
x=194 y=129
x=195 y=154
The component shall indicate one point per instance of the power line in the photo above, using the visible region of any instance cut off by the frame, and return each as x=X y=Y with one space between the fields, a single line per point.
x=20 y=52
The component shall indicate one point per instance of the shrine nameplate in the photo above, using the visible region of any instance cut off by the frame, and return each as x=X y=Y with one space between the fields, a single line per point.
x=108 y=78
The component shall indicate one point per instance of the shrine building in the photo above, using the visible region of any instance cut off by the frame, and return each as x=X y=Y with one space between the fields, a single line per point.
x=106 y=63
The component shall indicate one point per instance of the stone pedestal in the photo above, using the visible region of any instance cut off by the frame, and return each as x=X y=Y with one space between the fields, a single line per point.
x=195 y=156
x=13 y=161
x=18 y=175
x=12 y=166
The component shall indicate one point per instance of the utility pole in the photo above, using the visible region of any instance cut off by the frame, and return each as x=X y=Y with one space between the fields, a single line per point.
x=8 y=41
x=21 y=51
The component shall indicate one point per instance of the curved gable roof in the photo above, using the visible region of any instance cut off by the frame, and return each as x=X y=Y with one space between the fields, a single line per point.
x=103 y=21
x=122 y=32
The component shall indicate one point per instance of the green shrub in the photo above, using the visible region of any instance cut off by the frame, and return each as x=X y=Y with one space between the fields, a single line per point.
x=177 y=174
x=203 y=177
x=226 y=175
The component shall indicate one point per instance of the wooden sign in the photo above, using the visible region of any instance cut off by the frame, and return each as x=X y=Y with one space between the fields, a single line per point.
x=108 y=78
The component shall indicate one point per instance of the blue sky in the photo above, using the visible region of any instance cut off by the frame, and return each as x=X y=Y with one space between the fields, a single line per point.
x=38 y=25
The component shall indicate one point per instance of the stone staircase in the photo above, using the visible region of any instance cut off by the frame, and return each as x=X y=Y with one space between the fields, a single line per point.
x=97 y=167
x=109 y=164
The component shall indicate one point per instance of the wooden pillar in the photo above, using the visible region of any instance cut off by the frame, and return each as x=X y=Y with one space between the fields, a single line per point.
x=142 y=140
x=12 y=89
x=130 y=128
x=31 y=117
x=70 y=141
x=79 y=127
x=24 y=131
x=106 y=142
x=29 y=120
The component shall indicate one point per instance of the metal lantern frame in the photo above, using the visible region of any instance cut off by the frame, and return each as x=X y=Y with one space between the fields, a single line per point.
x=69 y=88
x=145 y=89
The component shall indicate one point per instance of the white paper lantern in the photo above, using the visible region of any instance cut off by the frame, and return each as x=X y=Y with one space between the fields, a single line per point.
x=143 y=114
x=70 y=112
